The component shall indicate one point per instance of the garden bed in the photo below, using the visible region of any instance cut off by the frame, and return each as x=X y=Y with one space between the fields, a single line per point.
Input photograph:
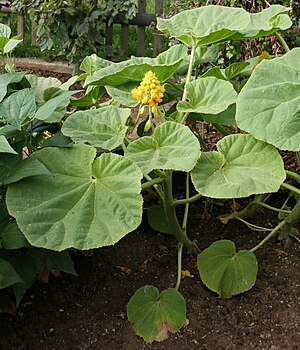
x=89 y=312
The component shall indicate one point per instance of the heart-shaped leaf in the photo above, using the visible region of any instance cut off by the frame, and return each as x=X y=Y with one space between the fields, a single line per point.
x=5 y=30
x=226 y=117
x=173 y=146
x=103 y=127
x=135 y=68
x=18 y=107
x=266 y=22
x=208 y=95
x=5 y=147
x=11 y=45
x=205 y=25
x=53 y=110
x=12 y=238
x=157 y=219
x=225 y=271
x=40 y=84
x=122 y=94
x=241 y=167
x=268 y=106
x=155 y=314
x=7 y=79
x=84 y=203
x=8 y=275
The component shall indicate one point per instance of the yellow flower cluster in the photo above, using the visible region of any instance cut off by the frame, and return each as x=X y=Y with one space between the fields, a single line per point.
x=150 y=91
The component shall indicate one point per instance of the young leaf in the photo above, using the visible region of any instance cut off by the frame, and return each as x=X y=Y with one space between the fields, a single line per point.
x=61 y=261
x=155 y=314
x=11 y=45
x=12 y=237
x=122 y=94
x=225 y=271
x=157 y=219
x=102 y=127
x=173 y=146
x=87 y=204
x=53 y=110
x=5 y=147
x=8 y=275
x=268 y=106
x=18 y=107
x=40 y=84
x=7 y=79
x=241 y=167
x=5 y=30
x=208 y=95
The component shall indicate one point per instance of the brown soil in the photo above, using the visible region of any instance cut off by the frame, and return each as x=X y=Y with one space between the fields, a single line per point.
x=89 y=312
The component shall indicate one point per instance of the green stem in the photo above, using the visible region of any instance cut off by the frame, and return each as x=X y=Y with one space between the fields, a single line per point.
x=290 y=188
x=200 y=138
x=273 y=208
x=250 y=210
x=152 y=182
x=269 y=236
x=187 y=200
x=222 y=130
x=282 y=42
x=179 y=265
x=171 y=216
x=155 y=186
x=187 y=205
x=188 y=79
x=293 y=175
x=290 y=220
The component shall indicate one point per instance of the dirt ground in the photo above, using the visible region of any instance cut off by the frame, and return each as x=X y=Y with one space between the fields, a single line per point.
x=89 y=311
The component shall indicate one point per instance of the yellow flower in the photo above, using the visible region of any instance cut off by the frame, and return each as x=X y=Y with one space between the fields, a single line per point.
x=150 y=91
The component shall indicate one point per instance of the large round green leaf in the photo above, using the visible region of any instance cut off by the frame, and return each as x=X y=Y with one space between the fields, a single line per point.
x=266 y=22
x=208 y=95
x=134 y=69
x=84 y=203
x=268 y=106
x=155 y=314
x=103 y=127
x=225 y=271
x=205 y=25
x=241 y=167
x=173 y=146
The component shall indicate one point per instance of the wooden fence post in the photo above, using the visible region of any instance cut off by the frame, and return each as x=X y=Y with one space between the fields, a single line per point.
x=124 y=38
x=33 y=32
x=141 y=31
x=157 y=34
x=21 y=26
x=109 y=34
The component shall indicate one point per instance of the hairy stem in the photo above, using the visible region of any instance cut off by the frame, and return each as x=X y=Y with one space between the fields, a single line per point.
x=290 y=220
x=188 y=79
x=290 y=188
x=171 y=216
x=293 y=175
x=282 y=42
x=187 y=205
x=179 y=265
